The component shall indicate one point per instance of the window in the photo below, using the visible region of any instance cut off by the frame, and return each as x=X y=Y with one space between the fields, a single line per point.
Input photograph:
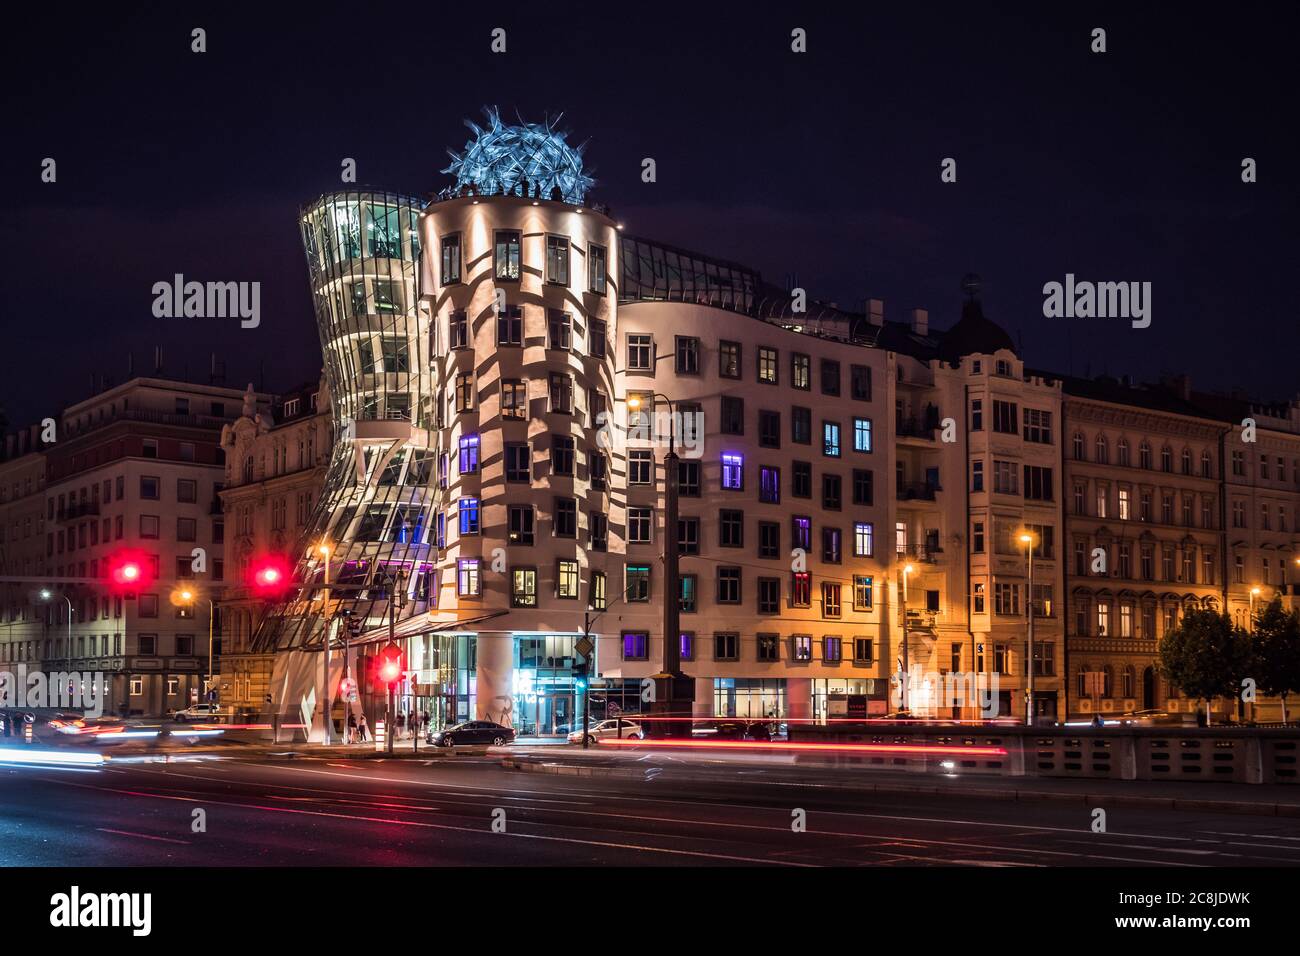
x=863 y=650
x=1004 y=478
x=801 y=648
x=726 y=646
x=566 y=580
x=769 y=485
x=468 y=510
x=598 y=524
x=463 y=396
x=863 y=595
x=565 y=518
x=597 y=332
x=1004 y=417
x=831 y=492
x=801 y=371
x=557 y=260
x=688 y=602
x=562 y=456
x=767 y=365
x=831 y=546
x=640 y=353
x=688 y=536
x=520 y=523
x=523 y=587
x=863 y=539
x=977 y=475
x=638 y=583
x=731 y=528
x=636 y=646
x=768 y=648
x=862 y=434
x=729 y=359
x=830 y=599
x=832 y=649
x=1006 y=598
x=801 y=532
x=468 y=582
x=769 y=595
x=733 y=471
x=977 y=537
x=186 y=530
x=596 y=270
x=561 y=393
x=800 y=589
x=506 y=255
x=518 y=465
x=687 y=355
x=451 y=259
x=863 y=491
x=769 y=429
x=149 y=487
x=860 y=383
x=149 y=526
x=801 y=425
x=638 y=525
x=187 y=490
x=559 y=330
x=1038 y=483
x=830 y=370
x=510 y=326
x=729 y=585
x=831 y=439
x=688 y=479
x=801 y=482
x=1038 y=426
x=640 y=467
x=469 y=445
x=733 y=415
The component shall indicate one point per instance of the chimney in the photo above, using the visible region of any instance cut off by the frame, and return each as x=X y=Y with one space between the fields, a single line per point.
x=876 y=312
x=921 y=321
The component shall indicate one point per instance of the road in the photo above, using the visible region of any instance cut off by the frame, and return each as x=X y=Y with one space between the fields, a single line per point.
x=327 y=812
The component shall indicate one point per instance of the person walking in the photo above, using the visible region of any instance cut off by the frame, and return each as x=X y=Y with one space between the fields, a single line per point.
x=361 y=729
x=352 y=727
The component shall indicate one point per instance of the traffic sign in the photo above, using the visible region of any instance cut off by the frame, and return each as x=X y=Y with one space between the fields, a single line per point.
x=584 y=646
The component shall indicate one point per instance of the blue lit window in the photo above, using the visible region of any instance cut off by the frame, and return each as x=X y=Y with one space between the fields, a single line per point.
x=467 y=577
x=733 y=471
x=469 y=454
x=863 y=539
x=468 y=512
x=831 y=439
x=862 y=434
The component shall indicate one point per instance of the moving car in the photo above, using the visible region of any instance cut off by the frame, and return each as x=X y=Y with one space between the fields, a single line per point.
x=1150 y=718
x=197 y=712
x=739 y=730
x=610 y=728
x=472 y=732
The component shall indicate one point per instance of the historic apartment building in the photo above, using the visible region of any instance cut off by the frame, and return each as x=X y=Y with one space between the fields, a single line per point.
x=275 y=458
x=134 y=470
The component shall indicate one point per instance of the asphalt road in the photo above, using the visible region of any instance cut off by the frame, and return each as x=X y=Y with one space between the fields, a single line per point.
x=324 y=812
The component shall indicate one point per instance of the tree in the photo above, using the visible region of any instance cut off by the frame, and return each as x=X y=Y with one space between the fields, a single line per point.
x=1205 y=656
x=1277 y=652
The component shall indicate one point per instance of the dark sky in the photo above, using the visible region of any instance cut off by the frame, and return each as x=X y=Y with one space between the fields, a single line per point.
x=1122 y=166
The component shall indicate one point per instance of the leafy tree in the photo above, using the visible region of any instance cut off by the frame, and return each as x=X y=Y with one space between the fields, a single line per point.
x=1277 y=652
x=1205 y=656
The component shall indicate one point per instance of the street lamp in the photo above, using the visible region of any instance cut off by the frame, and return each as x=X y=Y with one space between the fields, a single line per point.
x=324 y=551
x=46 y=595
x=1027 y=539
x=185 y=596
x=672 y=689
x=1254 y=593
x=906 y=677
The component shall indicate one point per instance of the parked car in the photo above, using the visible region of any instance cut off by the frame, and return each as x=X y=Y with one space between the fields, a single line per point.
x=199 y=712
x=472 y=732
x=619 y=727
x=739 y=730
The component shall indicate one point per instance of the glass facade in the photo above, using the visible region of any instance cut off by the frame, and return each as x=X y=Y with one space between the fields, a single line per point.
x=757 y=697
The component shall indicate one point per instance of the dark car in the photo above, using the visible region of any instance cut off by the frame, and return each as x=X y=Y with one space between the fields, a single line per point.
x=472 y=732
x=740 y=730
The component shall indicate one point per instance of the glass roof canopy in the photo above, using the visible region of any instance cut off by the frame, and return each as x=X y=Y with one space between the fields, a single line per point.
x=653 y=272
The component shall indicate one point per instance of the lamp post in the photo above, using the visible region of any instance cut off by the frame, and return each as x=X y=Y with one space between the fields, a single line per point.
x=1254 y=593
x=324 y=550
x=48 y=595
x=906 y=677
x=1027 y=539
x=186 y=597
x=673 y=690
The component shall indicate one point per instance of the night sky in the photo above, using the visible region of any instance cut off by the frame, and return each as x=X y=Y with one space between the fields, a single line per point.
x=1116 y=167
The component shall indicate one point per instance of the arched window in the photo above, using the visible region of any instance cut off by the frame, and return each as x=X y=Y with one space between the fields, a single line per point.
x=1187 y=461
x=1102 y=454
x=1167 y=459
x=1207 y=467
x=1144 y=455
x=1122 y=448
x=1078 y=446
x=1127 y=681
x=1108 y=682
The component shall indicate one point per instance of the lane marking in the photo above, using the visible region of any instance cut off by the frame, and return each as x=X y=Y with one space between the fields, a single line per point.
x=142 y=836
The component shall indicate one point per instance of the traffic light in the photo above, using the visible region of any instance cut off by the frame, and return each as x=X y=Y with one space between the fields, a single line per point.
x=390 y=664
x=129 y=570
x=579 y=677
x=269 y=575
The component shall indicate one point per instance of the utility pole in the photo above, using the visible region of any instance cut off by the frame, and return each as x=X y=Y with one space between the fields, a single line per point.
x=325 y=652
x=1028 y=540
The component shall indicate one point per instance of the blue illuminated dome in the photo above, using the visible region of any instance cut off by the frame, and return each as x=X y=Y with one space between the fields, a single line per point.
x=501 y=158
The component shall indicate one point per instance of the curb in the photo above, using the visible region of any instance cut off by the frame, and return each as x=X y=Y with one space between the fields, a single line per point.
x=1013 y=794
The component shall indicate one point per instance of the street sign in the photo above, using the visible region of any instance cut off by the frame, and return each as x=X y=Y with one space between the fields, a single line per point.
x=348 y=689
x=584 y=646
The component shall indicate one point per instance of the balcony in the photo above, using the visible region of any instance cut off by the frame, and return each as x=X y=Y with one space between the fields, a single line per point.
x=917 y=491
x=916 y=427
x=82 y=509
x=924 y=553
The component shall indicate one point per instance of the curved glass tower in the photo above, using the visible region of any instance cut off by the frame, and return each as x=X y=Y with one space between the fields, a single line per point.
x=363 y=253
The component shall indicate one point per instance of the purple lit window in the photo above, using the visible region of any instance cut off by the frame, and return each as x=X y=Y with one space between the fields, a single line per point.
x=769 y=485
x=687 y=646
x=636 y=646
x=802 y=528
x=733 y=471
x=469 y=454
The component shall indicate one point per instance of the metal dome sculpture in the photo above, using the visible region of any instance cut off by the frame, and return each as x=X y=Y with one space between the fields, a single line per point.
x=501 y=159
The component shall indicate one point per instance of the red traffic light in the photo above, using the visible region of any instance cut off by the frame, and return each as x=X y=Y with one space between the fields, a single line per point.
x=390 y=664
x=269 y=575
x=129 y=570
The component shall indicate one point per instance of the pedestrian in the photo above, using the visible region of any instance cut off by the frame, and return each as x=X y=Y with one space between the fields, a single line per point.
x=361 y=729
x=1098 y=721
x=352 y=727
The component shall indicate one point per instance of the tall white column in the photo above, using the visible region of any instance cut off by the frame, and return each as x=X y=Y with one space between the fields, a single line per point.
x=703 y=706
x=494 y=677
